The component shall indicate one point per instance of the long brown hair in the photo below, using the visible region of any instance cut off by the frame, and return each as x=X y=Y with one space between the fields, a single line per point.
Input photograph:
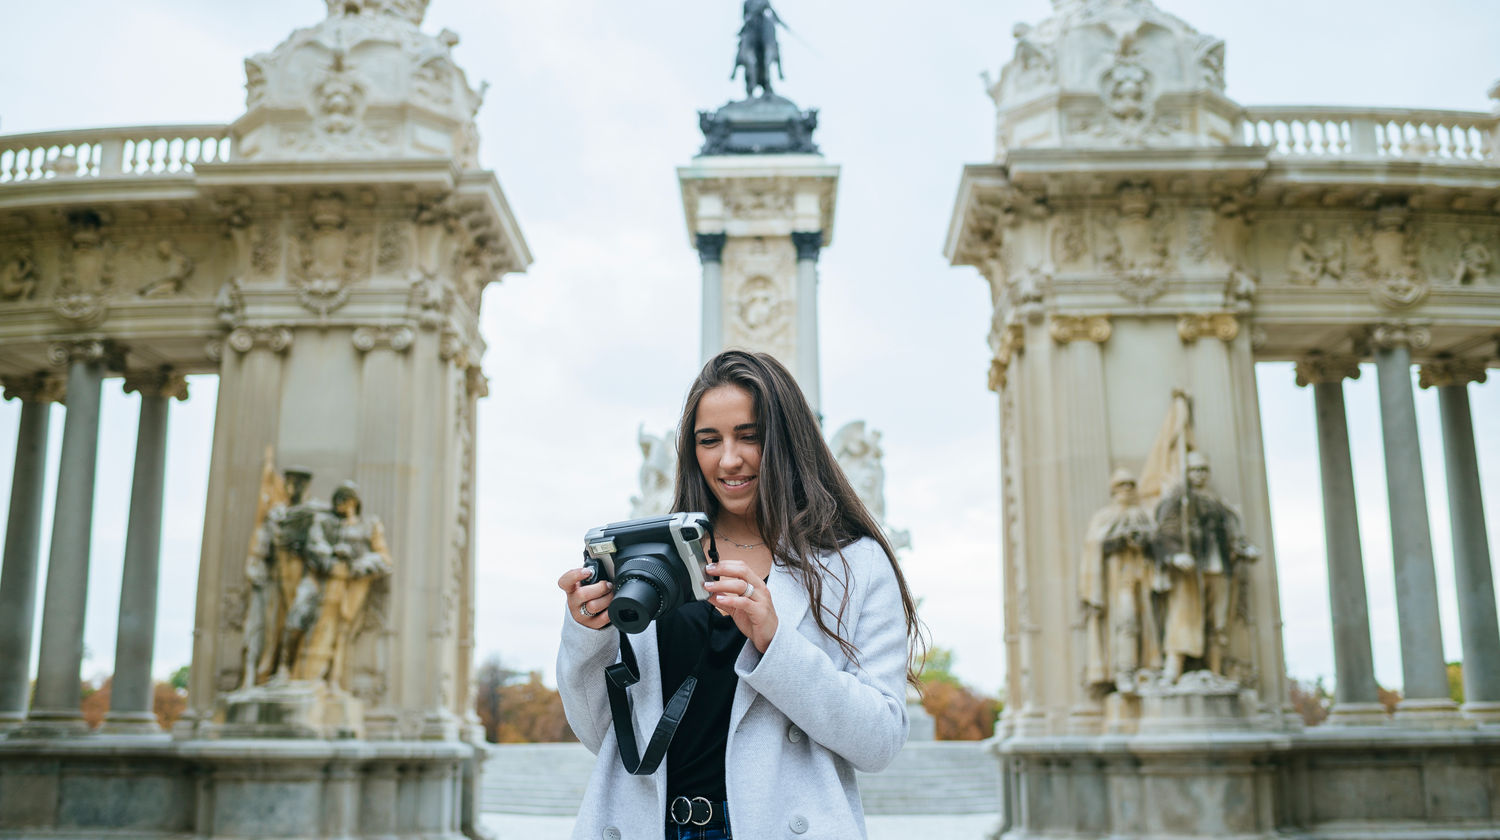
x=805 y=506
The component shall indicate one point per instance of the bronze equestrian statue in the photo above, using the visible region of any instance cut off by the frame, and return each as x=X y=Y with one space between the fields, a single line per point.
x=758 y=47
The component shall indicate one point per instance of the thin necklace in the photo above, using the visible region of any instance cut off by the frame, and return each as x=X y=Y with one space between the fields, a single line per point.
x=743 y=545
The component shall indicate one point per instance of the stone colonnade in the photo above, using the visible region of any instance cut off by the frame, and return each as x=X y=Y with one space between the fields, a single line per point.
x=54 y=708
x=1424 y=676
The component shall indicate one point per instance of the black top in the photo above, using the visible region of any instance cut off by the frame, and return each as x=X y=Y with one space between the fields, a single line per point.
x=695 y=758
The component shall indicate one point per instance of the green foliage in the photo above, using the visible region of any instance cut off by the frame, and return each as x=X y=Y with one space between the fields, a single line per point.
x=179 y=678
x=1456 y=682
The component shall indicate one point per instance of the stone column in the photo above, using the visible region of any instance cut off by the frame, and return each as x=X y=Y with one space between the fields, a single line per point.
x=1424 y=675
x=130 y=702
x=1472 y=578
x=54 y=709
x=1356 y=699
x=23 y=536
x=808 y=245
x=711 y=255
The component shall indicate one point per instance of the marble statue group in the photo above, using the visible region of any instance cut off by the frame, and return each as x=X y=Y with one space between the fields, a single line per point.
x=310 y=566
x=1159 y=587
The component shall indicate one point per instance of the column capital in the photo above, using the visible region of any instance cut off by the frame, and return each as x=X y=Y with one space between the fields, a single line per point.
x=64 y=353
x=39 y=387
x=1393 y=334
x=710 y=247
x=1068 y=328
x=1322 y=368
x=1441 y=373
x=808 y=244
x=158 y=382
x=245 y=339
x=1195 y=325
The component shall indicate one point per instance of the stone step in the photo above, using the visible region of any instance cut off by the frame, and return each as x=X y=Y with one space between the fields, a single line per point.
x=928 y=777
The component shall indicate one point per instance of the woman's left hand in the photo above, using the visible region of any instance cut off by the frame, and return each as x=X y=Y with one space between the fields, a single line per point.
x=754 y=615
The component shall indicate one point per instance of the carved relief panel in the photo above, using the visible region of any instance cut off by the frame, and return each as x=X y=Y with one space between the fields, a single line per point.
x=760 y=295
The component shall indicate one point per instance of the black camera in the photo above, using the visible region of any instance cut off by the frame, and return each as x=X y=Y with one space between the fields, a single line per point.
x=656 y=565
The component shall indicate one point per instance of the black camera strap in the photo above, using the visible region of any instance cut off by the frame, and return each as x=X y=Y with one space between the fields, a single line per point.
x=624 y=674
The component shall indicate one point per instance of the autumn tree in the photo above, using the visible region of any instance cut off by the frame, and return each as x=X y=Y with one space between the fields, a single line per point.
x=1312 y=701
x=168 y=699
x=959 y=712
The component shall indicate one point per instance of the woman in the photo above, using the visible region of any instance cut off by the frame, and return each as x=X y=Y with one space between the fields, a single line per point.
x=802 y=652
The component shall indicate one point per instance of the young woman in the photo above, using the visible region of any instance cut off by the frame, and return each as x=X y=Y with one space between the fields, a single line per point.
x=809 y=636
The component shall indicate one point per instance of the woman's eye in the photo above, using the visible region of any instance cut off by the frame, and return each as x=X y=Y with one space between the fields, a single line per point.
x=707 y=441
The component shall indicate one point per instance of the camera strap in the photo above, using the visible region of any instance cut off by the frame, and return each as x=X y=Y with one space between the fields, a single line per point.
x=624 y=674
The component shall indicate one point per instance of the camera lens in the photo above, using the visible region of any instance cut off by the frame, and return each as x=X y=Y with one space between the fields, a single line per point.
x=644 y=586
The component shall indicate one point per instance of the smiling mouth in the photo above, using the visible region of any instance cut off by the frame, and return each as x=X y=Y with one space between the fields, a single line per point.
x=735 y=483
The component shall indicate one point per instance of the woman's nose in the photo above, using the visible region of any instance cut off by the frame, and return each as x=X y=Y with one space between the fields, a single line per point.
x=731 y=456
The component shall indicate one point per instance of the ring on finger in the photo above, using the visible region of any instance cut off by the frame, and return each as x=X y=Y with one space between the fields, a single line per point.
x=583 y=610
x=749 y=588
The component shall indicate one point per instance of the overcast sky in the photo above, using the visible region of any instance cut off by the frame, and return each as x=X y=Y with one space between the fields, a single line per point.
x=592 y=105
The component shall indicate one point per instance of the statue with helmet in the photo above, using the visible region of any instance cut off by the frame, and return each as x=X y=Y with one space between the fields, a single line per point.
x=1115 y=574
x=1200 y=544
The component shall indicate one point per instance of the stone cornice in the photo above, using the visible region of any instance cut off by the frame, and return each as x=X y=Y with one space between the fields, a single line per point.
x=1442 y=373
x=1321 y=368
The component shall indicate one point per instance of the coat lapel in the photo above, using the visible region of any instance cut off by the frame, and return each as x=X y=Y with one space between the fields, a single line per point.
x=790 y=599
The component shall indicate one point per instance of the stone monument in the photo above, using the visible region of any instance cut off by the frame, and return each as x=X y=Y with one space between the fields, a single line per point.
x=1145 y=238
x=324 y=255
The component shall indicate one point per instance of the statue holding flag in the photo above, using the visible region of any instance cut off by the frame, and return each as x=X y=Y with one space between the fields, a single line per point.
x=758 y=47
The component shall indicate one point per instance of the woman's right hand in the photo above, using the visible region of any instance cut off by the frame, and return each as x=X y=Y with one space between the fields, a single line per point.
x=588 y=605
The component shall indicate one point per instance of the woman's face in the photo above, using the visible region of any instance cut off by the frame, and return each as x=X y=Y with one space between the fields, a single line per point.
x=727 y=441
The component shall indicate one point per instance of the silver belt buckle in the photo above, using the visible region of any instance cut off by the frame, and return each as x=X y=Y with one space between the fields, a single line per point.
x=708 y=806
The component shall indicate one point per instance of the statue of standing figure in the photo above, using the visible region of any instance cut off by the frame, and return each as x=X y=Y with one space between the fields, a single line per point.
x=1201 y=545
x=758 y=47
x=359 y=557
x=1115 y=575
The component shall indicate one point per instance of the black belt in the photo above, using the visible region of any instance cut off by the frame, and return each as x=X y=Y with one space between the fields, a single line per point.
x=697 y=811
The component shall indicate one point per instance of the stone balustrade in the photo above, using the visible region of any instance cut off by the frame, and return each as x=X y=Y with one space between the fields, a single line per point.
x=1408 y=134
x=106 y=152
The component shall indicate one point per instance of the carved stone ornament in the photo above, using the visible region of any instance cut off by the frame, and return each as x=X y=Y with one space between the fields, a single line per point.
x=1321 y=368
x=1308 y=263
x=229 y=304
x=1221 y=325
x=1443 y=373
x=35 y=387
x=176 y=268
x=330 y=257
x=1401 y=334
x=245 y=339
x=1385 y=258
x=1135 y=244
x=161 y=382
x=476 y=384
x=18 y=276
x=1005 y=342
x=398 y=338
x=1069 y=328
x=1474 y=260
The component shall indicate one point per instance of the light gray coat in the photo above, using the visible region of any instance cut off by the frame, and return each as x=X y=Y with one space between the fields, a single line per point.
x=803 y=719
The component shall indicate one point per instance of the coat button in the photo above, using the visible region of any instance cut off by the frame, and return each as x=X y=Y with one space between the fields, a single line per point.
x=795 y=735
x=611 y=833
x=798 y=825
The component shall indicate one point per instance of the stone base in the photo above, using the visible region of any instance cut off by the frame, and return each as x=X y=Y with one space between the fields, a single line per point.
x=1331 y=783
x=130 y=723
x=1358 y=714
x=42 y=723
x=104 y=785
x=289 y=709
x=1484 y=713
x=1198 y=701
x=1437 y=713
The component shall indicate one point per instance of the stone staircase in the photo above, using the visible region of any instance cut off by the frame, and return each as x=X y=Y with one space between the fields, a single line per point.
x=928 y=777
